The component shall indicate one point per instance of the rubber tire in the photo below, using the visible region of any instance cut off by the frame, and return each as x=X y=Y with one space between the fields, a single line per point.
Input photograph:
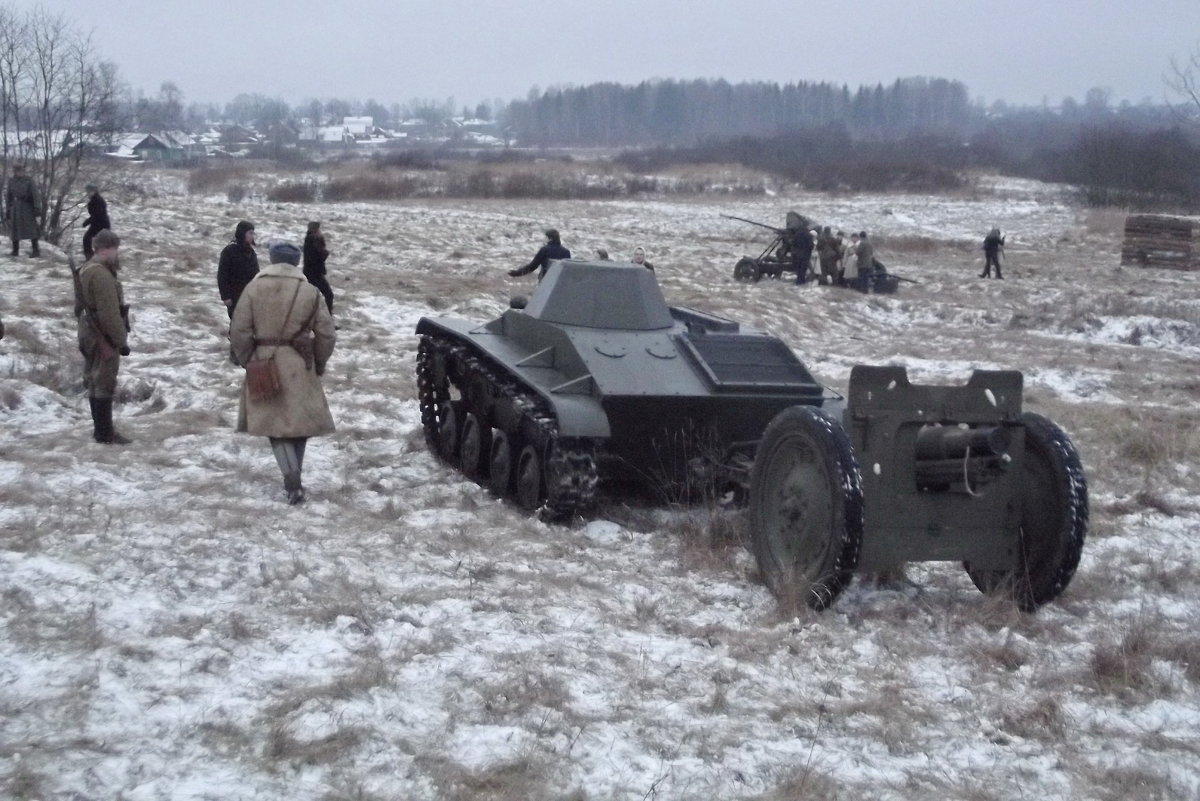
x=1054 y=520
x=475 y=444
x=449 y=431
x=747 y=270
x=529 y=480
x=502 y=468
x=806 y=507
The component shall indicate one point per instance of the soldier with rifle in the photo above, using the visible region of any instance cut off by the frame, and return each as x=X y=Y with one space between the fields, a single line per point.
x=103 y=332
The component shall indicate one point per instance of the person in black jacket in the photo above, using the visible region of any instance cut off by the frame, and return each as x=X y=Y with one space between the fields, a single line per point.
x=993 y=245
x=553 y=249
x=315 y=254
x=238 y=265
x=97 y=219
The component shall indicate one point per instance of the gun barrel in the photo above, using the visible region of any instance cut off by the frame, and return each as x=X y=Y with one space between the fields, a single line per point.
x=950 y=442
x=753 y=222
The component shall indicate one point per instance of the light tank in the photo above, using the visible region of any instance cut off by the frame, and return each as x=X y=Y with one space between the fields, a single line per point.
x=595 y=378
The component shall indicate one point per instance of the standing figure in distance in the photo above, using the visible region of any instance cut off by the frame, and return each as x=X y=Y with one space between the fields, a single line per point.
x=866 y=263
x=993 y=246
x=97 y=219
x=315 y=254
x=553 y=249
x=238 y=265
x=103 y=333
x=21 y=204
x=639 y=257
x=285 y=319
x=828 y=254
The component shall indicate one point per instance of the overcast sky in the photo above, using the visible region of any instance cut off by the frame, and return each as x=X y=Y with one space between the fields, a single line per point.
x=1023 y=51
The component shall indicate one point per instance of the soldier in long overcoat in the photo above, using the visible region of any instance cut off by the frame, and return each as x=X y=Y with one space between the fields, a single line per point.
x=103 y=333
x=21 y=204
x=282 y=316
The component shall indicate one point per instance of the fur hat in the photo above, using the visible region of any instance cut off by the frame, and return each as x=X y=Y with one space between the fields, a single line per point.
x=239 y=233
x=284 y=251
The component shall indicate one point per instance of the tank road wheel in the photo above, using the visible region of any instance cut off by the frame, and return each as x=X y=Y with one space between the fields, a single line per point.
x=449 y=432
x=475 y=448
x=806 y=507
x=571 y=478
x=529 y=478
x=433 y=392
x=501 y=467
x=1054 y=518
x=746 y=270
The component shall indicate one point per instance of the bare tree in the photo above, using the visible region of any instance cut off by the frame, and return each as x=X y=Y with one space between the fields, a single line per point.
x=56 y=98
x=1184 y=83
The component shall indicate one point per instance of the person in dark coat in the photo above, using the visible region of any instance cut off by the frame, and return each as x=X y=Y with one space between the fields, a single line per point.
x=97 y=219
x=801 y=248
x=238 y=266
x=993 y=244
x=553 y=249
x=315 y=254
x=21 y=205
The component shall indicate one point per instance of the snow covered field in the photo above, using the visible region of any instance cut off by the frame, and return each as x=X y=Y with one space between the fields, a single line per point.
x=171 y=629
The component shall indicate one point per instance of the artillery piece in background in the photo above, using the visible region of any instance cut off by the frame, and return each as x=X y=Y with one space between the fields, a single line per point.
x=596 y=379
x=776 y=258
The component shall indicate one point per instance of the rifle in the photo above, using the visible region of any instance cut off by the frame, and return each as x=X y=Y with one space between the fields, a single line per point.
x=752 y=222
x=104 y=348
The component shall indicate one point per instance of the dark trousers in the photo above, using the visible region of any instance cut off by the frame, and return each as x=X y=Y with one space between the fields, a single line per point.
x=990 y=259
x=322 y=285
x=88 y=252
x=16 y=247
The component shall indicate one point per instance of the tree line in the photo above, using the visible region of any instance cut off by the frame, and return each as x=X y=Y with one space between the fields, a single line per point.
x=687 y=112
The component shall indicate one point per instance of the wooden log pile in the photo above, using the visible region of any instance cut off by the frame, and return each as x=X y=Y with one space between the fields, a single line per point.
x=1159 y=240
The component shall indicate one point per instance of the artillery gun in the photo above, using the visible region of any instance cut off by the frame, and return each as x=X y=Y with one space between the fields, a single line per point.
x=596 y=379
x=918 y=473
x=775 y=259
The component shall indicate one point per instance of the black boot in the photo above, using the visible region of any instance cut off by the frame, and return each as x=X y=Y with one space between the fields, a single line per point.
x=16 y=248
x=34 y=253
x=102 y=417
x=289 y=456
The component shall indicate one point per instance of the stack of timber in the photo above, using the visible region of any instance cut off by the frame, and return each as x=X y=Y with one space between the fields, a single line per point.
x=1159 y=240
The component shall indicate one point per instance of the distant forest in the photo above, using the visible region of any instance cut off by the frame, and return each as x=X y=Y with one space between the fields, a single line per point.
x=687 y=112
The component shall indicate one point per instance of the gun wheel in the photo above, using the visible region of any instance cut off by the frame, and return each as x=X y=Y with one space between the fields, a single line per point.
x=747 y=270
x=1054 y=518
x=806 y=507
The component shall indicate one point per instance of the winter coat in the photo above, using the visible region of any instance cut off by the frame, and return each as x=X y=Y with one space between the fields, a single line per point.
x=865 y=263
x=237 y=268
x=315 y=254
x=992 y=244
x=97 y=219
x=542 y=259
x=101 y=294
x=300 y=409
x=21 y=207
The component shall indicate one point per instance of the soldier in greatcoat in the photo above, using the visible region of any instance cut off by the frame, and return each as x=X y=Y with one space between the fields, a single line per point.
x=282 y=316
x=103 y=333
x=21 y=205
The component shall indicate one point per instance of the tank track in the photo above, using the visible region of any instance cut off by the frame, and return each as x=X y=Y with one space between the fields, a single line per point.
x=568 y=464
